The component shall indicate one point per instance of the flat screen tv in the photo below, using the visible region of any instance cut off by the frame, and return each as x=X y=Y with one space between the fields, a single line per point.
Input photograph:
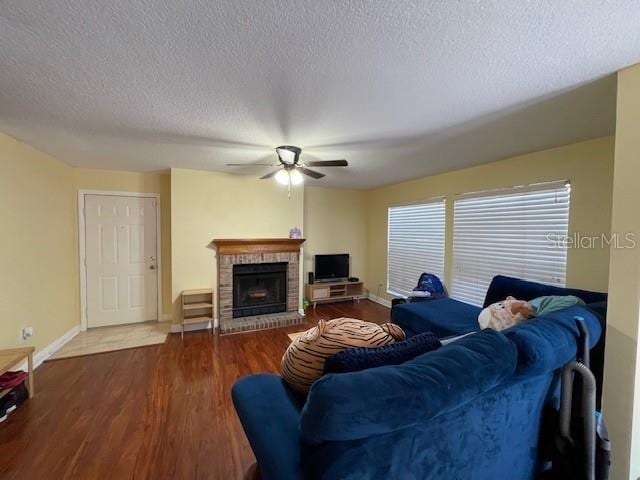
x=332 y=267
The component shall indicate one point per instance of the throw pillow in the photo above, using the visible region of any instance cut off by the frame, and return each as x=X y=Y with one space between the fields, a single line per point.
x=303 y=362
x=356 y=359
x=505 y=314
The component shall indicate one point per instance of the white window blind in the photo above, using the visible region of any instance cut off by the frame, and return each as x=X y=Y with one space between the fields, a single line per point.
x=415 y=244
x=511 y=233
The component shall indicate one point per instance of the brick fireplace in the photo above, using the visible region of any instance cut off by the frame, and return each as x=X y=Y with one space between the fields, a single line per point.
x=258 y=283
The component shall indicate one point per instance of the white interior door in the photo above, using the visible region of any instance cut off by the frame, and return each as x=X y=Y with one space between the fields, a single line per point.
x=121 y=254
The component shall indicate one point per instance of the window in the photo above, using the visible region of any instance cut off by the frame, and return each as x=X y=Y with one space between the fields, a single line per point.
x=415 y=244
x=517 y=233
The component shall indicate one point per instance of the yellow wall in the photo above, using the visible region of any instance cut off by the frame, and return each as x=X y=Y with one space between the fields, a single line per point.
x=588 y=165
x=150 y=182
x=335 y=221
x=38 y=266
x=621 y=368
x=208 y=205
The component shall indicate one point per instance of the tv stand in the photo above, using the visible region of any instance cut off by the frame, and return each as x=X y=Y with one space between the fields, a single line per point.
x=328 y=292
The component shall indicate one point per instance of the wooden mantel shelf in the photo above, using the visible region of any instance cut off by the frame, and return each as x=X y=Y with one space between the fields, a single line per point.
x=235 y=246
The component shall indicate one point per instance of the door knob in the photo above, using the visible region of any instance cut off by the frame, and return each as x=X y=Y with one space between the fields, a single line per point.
x=152 y=267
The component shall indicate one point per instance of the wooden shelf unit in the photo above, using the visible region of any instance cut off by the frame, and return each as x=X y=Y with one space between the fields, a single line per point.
x=333 y=292
x=13 y=356
x=197 y=307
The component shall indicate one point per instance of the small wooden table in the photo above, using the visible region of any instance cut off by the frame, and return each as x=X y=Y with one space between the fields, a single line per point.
x=11 y=357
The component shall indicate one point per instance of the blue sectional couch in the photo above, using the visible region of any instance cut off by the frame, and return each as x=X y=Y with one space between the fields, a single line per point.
x=448 y=317
x=472 y=409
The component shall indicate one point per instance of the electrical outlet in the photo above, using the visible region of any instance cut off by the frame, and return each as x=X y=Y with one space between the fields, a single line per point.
x=26 y=333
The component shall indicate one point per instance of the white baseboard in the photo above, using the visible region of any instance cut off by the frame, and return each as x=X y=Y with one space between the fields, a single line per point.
x=379 y=300
x=177 y=328
x=52 y=348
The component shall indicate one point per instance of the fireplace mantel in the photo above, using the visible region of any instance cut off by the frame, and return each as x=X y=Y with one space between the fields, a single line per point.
x=238 y=246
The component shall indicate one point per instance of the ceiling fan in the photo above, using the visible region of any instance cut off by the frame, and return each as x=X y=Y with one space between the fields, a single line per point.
x=291 y=170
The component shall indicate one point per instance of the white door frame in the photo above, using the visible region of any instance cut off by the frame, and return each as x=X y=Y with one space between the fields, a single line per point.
x=83 y=246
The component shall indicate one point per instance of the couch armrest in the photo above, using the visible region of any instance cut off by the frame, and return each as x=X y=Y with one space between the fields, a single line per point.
x=270 y=412
x=547 y=343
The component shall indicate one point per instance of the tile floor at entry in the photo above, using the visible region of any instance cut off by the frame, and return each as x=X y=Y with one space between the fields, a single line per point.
x=109 y=339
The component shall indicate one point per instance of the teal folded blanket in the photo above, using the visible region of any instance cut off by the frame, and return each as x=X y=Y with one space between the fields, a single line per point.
x=545 y=305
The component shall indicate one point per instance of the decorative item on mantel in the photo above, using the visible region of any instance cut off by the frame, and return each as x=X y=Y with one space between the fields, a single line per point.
x=295 y=232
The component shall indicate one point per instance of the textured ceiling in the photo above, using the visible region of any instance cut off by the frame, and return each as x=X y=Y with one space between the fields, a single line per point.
x=399 y=88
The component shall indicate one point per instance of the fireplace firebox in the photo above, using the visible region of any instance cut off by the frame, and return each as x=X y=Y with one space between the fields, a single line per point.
x=259 y=289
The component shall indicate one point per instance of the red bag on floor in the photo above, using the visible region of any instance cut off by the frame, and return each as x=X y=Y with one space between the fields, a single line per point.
x=11 y=379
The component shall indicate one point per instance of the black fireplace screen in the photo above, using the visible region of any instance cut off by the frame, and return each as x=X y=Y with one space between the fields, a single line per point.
x=259 y=289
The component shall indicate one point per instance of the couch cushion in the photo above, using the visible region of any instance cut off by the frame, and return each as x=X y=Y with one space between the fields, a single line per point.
x=444 y=317
x=356 y=359
x=356 y=405
x=547 y=343
x=501 y=287
x=270 y=412
x=494 y=437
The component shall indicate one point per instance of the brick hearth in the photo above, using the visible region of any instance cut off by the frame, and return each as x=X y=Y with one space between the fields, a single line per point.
x=237 y=252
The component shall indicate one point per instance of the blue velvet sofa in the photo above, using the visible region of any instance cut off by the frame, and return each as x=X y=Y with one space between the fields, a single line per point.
x=448 y=317
x=472 y=409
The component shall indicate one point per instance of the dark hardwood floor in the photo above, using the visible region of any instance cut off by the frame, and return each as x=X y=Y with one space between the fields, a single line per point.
x=159 y=412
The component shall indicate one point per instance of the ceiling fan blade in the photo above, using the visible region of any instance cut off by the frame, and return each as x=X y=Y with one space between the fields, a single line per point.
x=310 y=173
x=269 y=175
x=251 y=165
x=327 y=163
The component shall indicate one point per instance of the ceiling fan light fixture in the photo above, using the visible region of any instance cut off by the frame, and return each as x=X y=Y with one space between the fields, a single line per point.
x=296 y=177
x=282 y=177
x=288 y=154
